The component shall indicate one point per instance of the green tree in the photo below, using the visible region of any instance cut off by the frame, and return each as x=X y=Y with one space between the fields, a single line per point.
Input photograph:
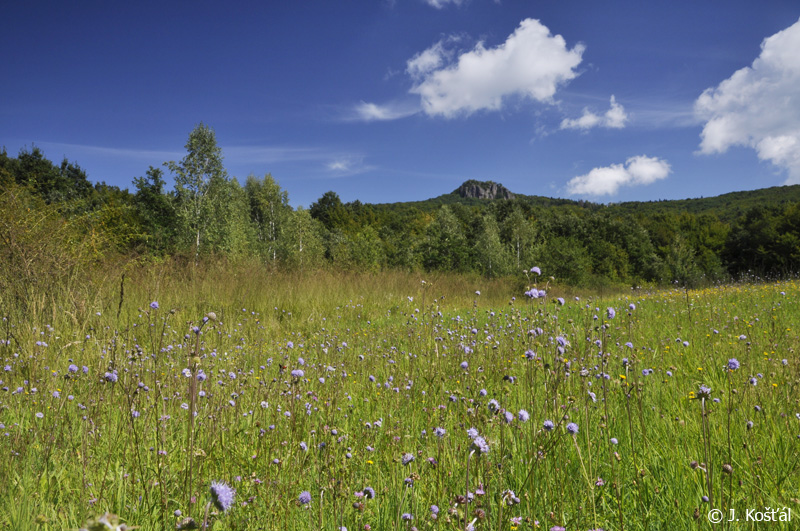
x=367 y=250
x=445 y=246
x=518 y=234
x=330 y=211
x=156 y=209
x=195 y=176
x=301 y=243
x=491 y=257
x=269 y=211
x=229 y=230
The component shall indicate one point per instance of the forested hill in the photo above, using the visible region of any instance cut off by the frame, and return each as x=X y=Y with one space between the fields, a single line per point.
x=481 y=227
x=726 y=206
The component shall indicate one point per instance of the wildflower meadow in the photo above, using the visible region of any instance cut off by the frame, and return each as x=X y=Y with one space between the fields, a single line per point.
x=401 y=402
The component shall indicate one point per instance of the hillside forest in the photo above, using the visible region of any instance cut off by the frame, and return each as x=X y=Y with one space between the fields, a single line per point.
x=53 y=213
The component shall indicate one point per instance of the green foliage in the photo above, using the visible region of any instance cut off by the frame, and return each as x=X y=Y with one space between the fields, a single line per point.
x=491 y=257
x=301 y=241
x=445 y=246
x=198 y=177
x=156 y=209
x=693 y=241
x=269 y=212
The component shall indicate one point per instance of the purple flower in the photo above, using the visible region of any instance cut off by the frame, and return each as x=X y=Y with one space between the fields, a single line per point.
x=298 y=373
x=407 y=517
x=610 y=312
x=509 y=417
x=548 y=425
x=464 y=365
x=222 y=495
x=434 y=509
x=704 y=392
x=154 y=305
x=72 y=369
x=111 y=377
x=472 y=433
x=523 y=415
x=572 y=428
x=304 y=498
x=369 y=492
x=536 y=270
x=480 y=445
x=733 y=364
x=439 y=432
x=407 y=458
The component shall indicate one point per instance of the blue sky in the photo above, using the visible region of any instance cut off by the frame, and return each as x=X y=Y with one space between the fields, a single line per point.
x=403 y=100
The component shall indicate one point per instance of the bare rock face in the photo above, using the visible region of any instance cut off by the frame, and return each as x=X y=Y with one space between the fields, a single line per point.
x=484 y=190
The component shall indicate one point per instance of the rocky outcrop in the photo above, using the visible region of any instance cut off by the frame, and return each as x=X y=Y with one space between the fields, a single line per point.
x=484 y=190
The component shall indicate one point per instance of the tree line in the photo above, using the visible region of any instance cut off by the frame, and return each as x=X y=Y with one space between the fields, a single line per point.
x=209 y=213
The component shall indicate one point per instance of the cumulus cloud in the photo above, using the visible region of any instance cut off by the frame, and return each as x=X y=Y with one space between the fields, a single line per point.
x=372 y=112
x=531 y=63
x=759 y=106
x=614 y=118
x=639 y=170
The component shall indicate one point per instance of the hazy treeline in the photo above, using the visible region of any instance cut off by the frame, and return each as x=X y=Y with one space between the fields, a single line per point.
x=210 y=213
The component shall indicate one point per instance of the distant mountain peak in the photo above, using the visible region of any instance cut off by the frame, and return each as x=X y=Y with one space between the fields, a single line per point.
x=483 y=190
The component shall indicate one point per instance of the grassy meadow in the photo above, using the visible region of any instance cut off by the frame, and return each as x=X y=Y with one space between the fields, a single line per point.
x=399 y=401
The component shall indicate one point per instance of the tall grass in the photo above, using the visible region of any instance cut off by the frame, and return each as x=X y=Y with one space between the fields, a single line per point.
x=386 y=360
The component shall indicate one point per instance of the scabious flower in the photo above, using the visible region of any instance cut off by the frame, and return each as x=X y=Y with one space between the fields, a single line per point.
x=480 y=445
x=369 y=492
x=407 y=458
x=464 y=365
x=298 y=373
x=704 y=392
x=733 y=364
x=536 y=270
x=472 y=433
x=523 y=415
x=154 y=305
x=222 y=495
x=548 y=425
x=439 y=432
x=493 y=405
x=572 y=428
x=406 y=517
x=304 y=498
x=611 y=312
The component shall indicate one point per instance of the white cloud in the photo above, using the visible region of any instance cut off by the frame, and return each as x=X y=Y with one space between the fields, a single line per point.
x=439 y=4
x=372 y=112
x=531 y=63
x=347 y=165
x=759 y=106
x=427 y=61
x=614 y=118
x=639 y=170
